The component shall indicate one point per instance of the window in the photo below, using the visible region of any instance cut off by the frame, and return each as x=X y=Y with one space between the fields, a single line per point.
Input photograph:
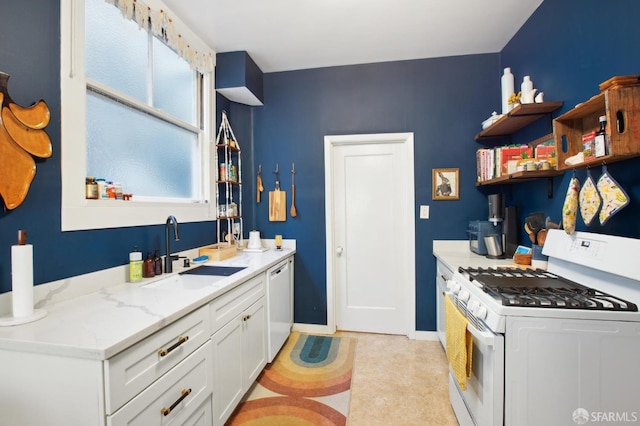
x=136 y=112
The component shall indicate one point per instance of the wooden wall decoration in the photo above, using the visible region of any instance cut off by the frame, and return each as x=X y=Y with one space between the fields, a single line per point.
x=21 y=136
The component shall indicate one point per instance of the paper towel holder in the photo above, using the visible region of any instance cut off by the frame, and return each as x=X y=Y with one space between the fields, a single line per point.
x=24 y=252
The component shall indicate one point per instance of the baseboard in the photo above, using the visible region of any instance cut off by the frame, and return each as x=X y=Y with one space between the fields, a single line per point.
x=324 y=329
x=312 y=328
x=427 y=335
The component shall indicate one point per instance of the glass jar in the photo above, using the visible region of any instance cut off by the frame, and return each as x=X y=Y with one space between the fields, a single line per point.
x=91 y=188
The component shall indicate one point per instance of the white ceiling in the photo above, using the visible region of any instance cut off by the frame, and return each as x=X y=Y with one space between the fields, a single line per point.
x=283 y=35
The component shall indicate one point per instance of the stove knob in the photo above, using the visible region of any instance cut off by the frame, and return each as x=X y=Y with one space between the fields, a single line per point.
x=473 y=305
x=481 y=312
x=463 y=295
x=453 y=286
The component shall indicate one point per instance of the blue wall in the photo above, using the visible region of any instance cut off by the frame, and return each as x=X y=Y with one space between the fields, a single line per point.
x=442 y=101
x=30 y=53
x=567 y=50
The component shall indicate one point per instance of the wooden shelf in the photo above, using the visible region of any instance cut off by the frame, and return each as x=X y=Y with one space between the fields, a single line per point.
x=519 y=177
x=518 y=118
x=620 y=106
x=229 y=147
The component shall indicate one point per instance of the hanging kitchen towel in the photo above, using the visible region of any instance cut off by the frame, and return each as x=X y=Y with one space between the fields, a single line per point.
x=613 y=197
x=570 y=207
x=589 y=199
x=459 y=345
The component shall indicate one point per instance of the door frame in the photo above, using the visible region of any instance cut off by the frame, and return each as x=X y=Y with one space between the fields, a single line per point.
x=407 y=181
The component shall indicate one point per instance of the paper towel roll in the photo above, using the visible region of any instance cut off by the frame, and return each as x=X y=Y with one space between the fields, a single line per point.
x=22 y=280
x=254 y=240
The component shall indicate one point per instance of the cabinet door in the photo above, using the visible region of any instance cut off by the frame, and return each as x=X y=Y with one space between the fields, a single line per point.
x=202 y=416
x=228 y=383
x=172 y=399
x=254 y=351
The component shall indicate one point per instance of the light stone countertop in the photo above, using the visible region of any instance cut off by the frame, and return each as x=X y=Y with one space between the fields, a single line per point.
x=456 y=253
x=102 y=323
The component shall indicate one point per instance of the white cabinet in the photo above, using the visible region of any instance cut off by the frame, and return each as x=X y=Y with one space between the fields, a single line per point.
x=443 y=275
x=238 y=344
x=97 y=363
x=181 y=394
x=135 y=368
x=130 y=388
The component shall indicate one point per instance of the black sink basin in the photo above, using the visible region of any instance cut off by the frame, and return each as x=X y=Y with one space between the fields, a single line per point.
x=221 y=271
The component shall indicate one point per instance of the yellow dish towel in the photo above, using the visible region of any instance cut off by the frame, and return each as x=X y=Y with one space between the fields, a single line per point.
x=459 y=342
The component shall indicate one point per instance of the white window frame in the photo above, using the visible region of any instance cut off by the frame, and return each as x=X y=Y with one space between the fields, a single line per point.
x=78 y=213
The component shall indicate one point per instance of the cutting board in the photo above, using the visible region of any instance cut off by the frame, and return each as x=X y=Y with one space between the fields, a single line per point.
x=277 y=206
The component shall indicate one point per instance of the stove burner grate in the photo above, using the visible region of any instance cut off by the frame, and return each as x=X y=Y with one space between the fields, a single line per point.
x=541 y=289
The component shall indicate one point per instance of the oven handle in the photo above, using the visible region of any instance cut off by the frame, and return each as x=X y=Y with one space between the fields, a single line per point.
x=486 y=337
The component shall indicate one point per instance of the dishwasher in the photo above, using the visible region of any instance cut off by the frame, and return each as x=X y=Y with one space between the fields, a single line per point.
x=279 y=305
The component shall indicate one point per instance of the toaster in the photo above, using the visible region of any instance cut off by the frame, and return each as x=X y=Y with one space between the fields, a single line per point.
x=478 y=229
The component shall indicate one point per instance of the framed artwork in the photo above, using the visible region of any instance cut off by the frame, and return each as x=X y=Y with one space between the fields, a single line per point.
x=445 y=184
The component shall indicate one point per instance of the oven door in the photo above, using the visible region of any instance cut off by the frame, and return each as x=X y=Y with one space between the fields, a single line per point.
x=482 y=403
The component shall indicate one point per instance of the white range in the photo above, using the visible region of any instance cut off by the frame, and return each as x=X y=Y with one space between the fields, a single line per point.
x=553 y=347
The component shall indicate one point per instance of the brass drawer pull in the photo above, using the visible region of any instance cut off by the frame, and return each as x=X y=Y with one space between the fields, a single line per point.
x=165 y=352
x=167 y=411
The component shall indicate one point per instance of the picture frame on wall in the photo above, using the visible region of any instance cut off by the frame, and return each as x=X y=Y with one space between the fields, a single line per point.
x=445 y=184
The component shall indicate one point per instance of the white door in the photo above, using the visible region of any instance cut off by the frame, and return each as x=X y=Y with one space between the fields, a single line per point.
x=372 y=245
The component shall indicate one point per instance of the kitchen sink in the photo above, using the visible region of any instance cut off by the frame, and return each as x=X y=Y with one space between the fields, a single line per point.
x=222 y=271
x=196 y=278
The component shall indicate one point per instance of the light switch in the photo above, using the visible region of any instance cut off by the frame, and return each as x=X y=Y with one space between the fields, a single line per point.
x=424 y=212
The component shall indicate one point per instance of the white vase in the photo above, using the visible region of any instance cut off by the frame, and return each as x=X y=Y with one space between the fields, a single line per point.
x=507 y=89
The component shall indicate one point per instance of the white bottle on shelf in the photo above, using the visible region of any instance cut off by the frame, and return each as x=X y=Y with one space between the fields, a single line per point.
x=526 y=90
x=507 y=90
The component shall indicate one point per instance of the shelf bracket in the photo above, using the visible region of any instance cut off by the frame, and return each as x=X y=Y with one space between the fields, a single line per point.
x=549 y=187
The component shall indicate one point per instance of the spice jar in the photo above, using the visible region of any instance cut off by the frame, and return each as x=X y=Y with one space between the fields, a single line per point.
x=102 y=188
x=117 y=187
x=111 y=191
x=91 y=188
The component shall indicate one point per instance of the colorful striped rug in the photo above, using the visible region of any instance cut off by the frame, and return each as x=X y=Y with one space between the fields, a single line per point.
x=308 y=383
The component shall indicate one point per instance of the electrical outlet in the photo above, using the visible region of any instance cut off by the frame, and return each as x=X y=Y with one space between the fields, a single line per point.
x=424 y=212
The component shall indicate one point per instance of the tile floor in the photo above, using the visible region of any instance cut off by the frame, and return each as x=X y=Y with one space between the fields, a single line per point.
x=397 y=381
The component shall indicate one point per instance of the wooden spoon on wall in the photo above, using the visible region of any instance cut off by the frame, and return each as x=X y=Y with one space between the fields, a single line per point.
x=293 y=211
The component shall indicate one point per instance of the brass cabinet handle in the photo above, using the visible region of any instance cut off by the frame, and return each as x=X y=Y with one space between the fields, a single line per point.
x=167 y=411
x=165 y=352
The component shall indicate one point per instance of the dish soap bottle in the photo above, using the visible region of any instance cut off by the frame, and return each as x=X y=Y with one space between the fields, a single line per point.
x=135 y=265
x=149 y=270
x=157 y=260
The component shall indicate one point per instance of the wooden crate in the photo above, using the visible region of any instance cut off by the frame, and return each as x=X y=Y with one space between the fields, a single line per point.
x=621 y=106
x=218 y=251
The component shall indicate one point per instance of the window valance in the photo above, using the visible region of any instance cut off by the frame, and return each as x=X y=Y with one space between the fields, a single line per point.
x=162 y=25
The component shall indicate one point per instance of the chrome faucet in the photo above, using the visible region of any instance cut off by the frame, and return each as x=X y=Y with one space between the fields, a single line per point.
x=168 y=261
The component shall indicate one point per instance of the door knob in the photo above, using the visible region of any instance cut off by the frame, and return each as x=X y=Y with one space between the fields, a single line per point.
x=339 y=251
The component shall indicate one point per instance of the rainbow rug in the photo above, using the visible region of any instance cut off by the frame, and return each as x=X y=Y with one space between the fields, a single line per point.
x=308 y=383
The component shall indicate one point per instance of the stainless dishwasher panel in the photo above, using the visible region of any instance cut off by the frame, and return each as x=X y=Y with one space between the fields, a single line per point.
x=279 y=305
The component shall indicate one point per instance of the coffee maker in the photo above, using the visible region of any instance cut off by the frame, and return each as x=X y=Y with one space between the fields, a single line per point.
x=504 y=220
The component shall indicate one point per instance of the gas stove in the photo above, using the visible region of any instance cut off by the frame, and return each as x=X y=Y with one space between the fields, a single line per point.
x=575 y=325
x=589 y=276
x=538 y=288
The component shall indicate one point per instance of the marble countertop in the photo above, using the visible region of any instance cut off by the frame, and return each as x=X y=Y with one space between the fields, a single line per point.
x=100 y=324
x=456 y=253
